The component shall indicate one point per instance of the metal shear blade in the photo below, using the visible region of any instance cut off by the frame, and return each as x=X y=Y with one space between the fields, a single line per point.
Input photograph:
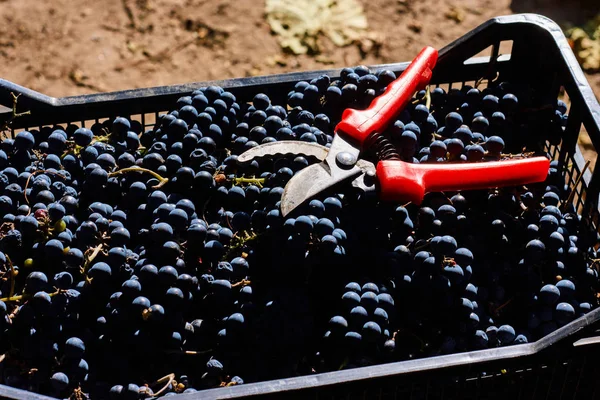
x=317 y=177
x=282 y=148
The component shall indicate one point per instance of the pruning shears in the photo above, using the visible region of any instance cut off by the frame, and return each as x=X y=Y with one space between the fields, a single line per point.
x=394 y=179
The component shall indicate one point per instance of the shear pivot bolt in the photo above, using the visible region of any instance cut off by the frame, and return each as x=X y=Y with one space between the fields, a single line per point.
x=345 y=159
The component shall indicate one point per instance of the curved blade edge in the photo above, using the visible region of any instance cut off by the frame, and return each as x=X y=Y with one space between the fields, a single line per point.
x=311 y=181
x=282 y=148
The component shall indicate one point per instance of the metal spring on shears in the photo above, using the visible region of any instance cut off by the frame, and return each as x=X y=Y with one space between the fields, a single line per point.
x=384 y=149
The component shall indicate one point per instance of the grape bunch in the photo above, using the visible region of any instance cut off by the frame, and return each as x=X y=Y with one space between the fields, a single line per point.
x=140 y=263
x=356 y=88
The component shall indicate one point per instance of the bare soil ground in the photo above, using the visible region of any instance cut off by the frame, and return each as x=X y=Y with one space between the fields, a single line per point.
x=69 y=47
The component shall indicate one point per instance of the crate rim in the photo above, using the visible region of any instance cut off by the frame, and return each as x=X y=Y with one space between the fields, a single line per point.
x=365 y=373
x=398 y=368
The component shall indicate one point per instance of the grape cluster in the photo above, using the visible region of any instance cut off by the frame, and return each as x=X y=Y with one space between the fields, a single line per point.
x=514 y=282
x=139 y=263
x=355 y=88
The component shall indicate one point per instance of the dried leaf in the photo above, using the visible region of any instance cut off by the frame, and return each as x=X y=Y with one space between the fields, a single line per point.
x=456 y=14
x=76 y=75
x=276 y=60
x=371 y=44
x=131 y=46
x=299 y=23
x=586 y=48
x=323 y=59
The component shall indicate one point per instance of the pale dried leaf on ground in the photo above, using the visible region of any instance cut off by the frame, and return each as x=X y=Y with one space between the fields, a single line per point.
x=586 y=44
x=299 y=23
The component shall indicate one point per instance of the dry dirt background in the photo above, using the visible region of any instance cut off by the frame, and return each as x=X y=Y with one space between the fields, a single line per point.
x=69 y=47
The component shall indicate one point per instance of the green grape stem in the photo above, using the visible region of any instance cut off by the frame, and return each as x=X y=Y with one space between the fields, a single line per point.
x=344 y=363
x=167 y=380
x=501 y=306
x=122 y=171
x=6 y=126
x=95 y=251
x=242 y=283
x=239 y=242
x=26 y=296
x=103 y=139
x=252 y=181
x=39 y=171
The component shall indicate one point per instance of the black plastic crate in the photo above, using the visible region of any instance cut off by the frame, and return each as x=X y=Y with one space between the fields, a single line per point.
x=564 y=364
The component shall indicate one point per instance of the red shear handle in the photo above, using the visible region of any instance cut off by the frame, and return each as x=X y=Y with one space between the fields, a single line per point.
x=359 y=124
x=401 y=181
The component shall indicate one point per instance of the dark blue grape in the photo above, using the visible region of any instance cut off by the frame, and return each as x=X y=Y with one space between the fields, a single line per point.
x=506 y=334
x=59 y=381
x=74 y=348
x=24 y=141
